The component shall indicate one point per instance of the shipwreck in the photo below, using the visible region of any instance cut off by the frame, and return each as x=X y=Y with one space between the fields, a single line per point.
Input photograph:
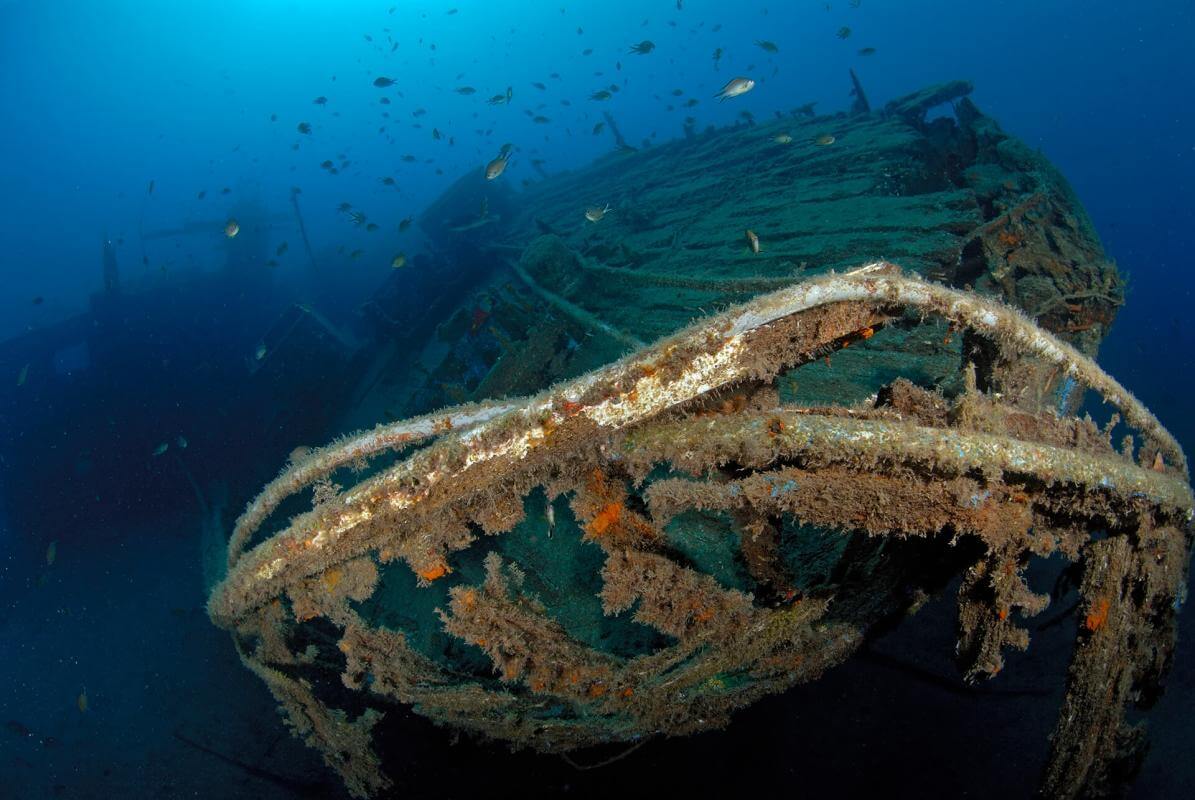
x=641 y=475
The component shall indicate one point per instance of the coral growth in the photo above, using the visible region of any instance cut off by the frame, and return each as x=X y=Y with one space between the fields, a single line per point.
x=686 y=475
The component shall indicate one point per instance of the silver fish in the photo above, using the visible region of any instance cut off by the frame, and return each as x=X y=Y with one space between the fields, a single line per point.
x=735 y=87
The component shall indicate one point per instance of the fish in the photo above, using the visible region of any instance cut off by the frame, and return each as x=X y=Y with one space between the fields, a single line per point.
x=825 y=140
x=717 y=56
x=598 y=128
x=160 y=449
x=232 y=228
x=22 y=375
x=539 y=86
x=867 y=51
x=304 y=128
x=81 y=701
x=643 y=48
x=466 y=90
x=260 y=352
x=752 y=240
x=735 y=87
x=843 y=32
x=388 y=181
x=600 y=95
x=404 y=224
x=782 y=138
x=550 y=516
x=181 y=441
x=595 y=213
x=371 y=227
x=399 y=261
x=320 y=101
x=51 y=553
x=765 y=45
x=383 y=82
x=201 y=195
x=282 y=248
x=540 y=120
x=497 y=166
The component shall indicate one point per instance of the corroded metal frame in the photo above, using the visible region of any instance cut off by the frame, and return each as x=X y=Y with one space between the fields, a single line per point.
x=1020 y=481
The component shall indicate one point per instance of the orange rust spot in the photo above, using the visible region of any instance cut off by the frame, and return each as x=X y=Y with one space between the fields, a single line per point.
x=775 y=427
x=734 y=404
x=572 y=409
x=468 y=599
x=573 y=676
x=605 y=518
x=537 y=685
x=1010 y=239
x=597 y=690
x=344 y=646
x=1098 y=615
x=627 y=692
x=331 y=578
x=1002 y=614
x=867 y=332
x=704 y=615
x=433 y=572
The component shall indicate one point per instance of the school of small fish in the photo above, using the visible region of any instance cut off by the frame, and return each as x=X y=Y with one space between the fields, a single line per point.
x=391 y=87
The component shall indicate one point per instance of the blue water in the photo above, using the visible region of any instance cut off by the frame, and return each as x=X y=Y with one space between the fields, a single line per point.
x=101 y=100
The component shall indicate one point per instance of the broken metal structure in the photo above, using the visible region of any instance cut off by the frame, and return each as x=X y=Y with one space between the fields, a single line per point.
x=642 y=472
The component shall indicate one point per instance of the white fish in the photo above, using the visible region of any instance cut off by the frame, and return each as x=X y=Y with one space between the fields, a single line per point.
x=497 y=166
x=753 y=241
x=735 y=87
x=596 y=213
x=261 y=352
x=182 y=442
x=162 y=448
